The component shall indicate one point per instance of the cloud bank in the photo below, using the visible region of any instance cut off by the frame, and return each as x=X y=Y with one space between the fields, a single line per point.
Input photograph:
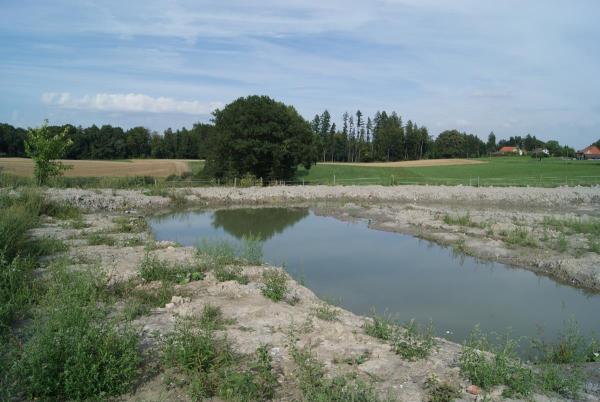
x=136 y=103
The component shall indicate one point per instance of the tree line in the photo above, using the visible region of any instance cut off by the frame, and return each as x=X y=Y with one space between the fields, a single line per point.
x=110 y=142
x=384 y=137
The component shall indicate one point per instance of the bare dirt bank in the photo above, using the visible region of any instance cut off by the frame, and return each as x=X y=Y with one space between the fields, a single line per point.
x=341 y=343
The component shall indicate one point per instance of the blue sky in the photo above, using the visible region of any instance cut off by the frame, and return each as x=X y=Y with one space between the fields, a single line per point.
x=514 y=67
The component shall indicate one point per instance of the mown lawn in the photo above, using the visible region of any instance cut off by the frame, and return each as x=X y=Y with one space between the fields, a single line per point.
x=496 y=171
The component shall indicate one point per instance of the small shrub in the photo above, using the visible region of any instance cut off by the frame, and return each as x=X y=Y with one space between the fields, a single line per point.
x=570 y=348
x=140 y=300
x=275 y=284
x=60 y=211
x=562 y=244
x=414 y=343
x=218 y=252
x=464 y=220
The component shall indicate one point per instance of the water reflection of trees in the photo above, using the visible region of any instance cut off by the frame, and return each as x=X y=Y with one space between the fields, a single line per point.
x=263 y=223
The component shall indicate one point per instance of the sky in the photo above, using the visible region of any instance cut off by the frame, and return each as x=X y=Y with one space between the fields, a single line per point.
x=513 y=67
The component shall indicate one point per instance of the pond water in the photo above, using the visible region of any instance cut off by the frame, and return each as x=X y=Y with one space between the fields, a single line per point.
x=363 y=269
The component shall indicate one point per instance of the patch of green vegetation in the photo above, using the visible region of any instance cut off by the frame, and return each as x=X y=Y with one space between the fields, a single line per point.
x=571 y=347
x=441 y=391
x=252 y=249
x=213 y=369
x=77 y=223
x=460 y=220
x=275 y=284
x=587 y=225
x=46 y=246
x=74 y=351
x=61 y=211
x=520 y=237
x=355 y=360
x=153 y=269
x=380 y=327
x=222 y=257
x=503 y=171
x=97 y=239
x=487 y=365
x=414 y=342
x=326 y=312
x=140 y=301
x=316 y=386
x=565 y=381
x=16 y=290
x=126 y=224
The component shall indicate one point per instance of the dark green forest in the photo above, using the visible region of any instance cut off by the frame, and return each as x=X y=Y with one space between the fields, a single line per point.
x=383 y=137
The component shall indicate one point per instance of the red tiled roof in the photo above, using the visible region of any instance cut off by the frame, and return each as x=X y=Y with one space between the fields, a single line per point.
x=591 y=150
x=508 y=149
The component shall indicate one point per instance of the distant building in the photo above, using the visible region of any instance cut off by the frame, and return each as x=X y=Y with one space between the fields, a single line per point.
x=510 y=150
x=591 y=152
x=540 y=152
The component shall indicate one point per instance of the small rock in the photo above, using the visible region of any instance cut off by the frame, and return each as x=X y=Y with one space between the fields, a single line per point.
x=473 y=390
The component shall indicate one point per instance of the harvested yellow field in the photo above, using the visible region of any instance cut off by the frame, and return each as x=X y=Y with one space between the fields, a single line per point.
x=420 y=163
x=82 y=168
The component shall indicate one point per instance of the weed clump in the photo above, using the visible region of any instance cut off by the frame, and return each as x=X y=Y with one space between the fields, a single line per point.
x=441 y=392
x=520 y=237
x=326 y=312
x=315 y=386
x=380 y=327
x=212 y=368
x=275 y=284
x=487 y=365
x=414 y=343
x=130 y=225
x=97 y=239
x=74 y=352
x=153 y=269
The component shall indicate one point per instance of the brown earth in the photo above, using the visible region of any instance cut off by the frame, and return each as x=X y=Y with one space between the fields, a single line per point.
x=419 y=163
x=82 y=168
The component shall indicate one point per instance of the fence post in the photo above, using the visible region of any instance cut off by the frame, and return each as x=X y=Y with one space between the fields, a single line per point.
x=302 y=181
x=334 y=180
x=235 y=182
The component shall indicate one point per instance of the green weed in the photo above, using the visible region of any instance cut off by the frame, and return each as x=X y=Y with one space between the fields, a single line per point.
x=326 y=312
x=275 y=284
x=461 y=220
x=74 y=352
x=213 y=369
x=97 y=239
x=380 y=327
x=414 y=343
x=126 y=224
x=488 y=365
x=153 y=269
x=441 y=392
x=520 y=237
x=252 y=250
x=316 y=386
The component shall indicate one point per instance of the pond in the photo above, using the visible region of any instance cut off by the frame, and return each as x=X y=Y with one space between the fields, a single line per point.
x=362 y=269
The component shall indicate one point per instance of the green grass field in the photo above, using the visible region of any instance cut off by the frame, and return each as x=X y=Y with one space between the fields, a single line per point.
x=503 y=171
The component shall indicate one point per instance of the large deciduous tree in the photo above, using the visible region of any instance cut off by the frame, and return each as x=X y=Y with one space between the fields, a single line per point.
x=260 y=136
x=44 y=147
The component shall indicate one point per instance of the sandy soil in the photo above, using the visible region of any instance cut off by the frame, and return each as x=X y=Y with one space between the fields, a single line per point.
x=419 y=163
x=82 y=168
x=257 y=320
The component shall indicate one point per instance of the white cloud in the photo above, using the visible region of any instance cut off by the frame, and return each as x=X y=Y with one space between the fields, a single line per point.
x=136 y=103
